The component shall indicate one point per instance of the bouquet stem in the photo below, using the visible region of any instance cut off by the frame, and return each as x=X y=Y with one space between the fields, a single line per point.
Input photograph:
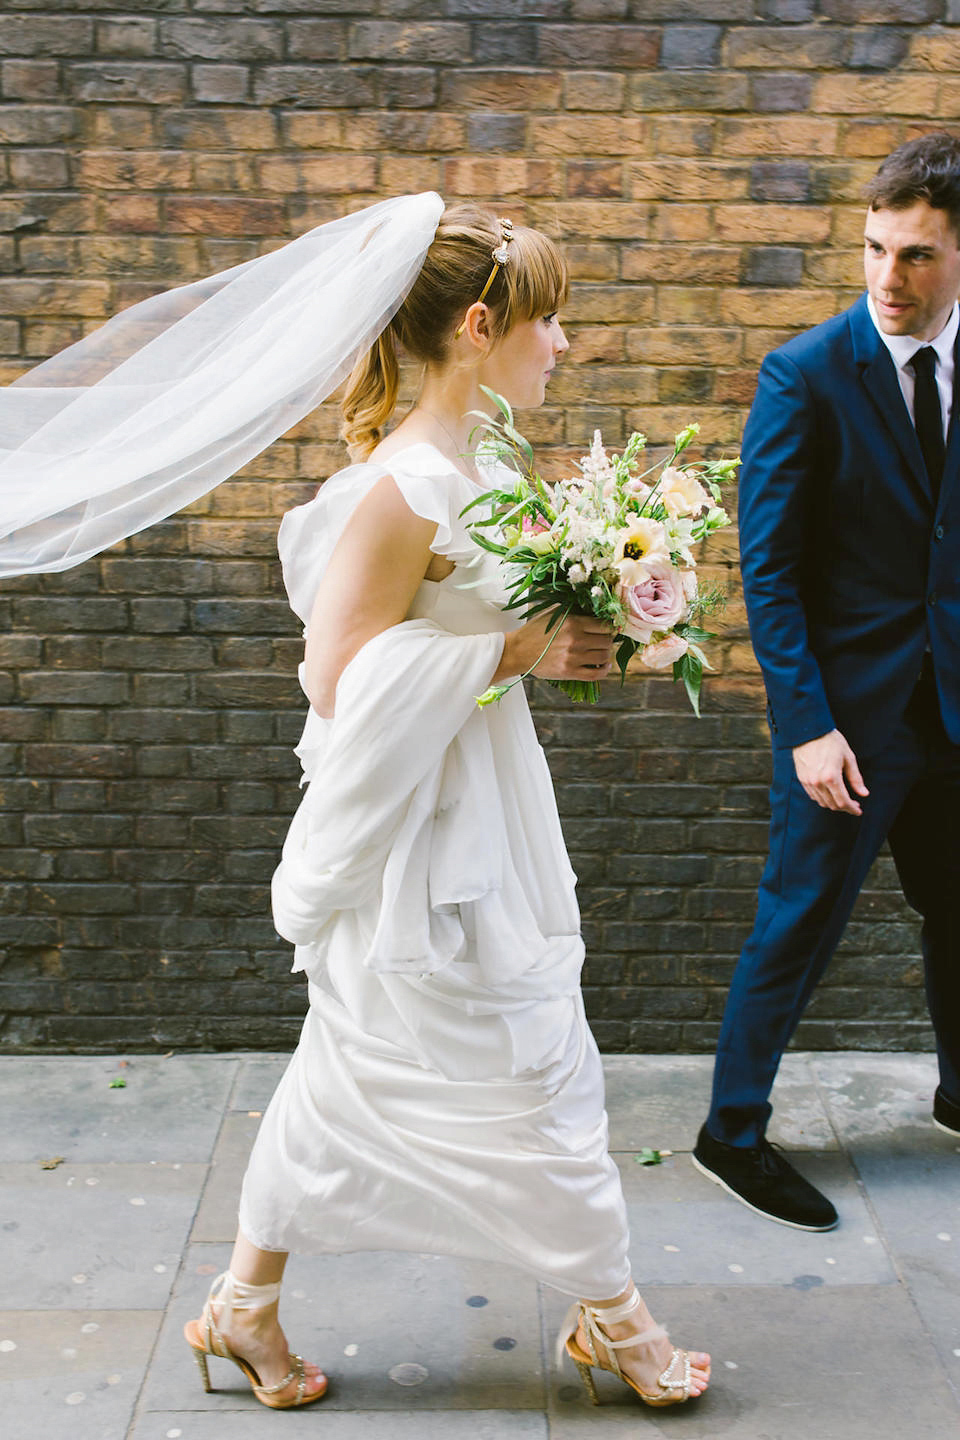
x=585 y=691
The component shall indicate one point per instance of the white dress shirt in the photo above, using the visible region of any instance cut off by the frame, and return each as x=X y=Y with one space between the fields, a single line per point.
x=902 y=350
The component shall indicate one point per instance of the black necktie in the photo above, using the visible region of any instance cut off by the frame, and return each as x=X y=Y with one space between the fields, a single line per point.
x=927 y=416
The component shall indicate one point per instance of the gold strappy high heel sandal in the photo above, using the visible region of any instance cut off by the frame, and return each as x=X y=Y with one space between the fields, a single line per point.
x=673 y=1381
x=205 y=1339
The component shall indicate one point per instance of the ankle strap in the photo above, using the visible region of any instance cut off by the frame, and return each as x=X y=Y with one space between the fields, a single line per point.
x=238 y=1295
x=612 y=1314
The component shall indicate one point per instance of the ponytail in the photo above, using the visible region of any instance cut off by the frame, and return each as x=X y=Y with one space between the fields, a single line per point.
x=370 y=396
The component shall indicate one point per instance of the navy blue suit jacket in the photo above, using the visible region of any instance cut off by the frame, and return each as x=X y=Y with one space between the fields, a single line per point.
x=849 y=570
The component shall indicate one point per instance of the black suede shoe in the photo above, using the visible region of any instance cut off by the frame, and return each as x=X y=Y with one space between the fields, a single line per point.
x=946 y=1115
x=763 y=1179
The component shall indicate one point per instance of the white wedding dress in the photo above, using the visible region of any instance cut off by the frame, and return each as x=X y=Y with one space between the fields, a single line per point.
x=446 y=1094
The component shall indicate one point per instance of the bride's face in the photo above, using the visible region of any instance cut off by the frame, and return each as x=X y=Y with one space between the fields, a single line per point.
x=519 y=366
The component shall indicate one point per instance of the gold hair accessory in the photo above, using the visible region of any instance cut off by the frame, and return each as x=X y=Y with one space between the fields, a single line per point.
x=500 y=256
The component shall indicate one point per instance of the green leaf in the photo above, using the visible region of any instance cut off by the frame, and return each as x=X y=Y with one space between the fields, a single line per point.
x=502 y=405
x=649 y=1157
x=625 y=652
x=118 y=1084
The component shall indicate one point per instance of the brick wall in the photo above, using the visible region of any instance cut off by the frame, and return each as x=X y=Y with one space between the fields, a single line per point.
x=701 y=161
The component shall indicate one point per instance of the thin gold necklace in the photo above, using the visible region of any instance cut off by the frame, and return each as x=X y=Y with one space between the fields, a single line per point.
x=460 y=454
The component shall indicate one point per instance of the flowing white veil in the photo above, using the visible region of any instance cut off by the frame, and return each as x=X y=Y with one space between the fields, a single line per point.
x=175 y=394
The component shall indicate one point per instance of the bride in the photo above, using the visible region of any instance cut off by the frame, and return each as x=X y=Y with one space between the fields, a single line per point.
x=446 y=1094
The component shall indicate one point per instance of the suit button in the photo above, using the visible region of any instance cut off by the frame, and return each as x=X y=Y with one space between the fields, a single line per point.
x=938 y=533
x=932 y=598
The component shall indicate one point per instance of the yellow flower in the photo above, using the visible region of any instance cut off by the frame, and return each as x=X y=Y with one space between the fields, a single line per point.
x=640 y=544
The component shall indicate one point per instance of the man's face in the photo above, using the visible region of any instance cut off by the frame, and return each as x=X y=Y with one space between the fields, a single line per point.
x=912 y=264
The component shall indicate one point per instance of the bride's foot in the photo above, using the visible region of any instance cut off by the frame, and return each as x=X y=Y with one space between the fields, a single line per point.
x=624 y=1339
x=241 y=1325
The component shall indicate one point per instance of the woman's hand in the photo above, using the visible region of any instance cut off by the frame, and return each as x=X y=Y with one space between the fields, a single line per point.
x=581 y=648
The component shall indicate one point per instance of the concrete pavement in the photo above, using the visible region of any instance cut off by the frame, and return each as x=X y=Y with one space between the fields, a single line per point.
x=852 y=1335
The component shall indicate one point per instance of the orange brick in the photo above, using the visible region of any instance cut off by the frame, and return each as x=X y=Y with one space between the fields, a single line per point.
x=315 y=130
x=848 y=226
x=590 y=343
x=772 y=224
x=678 y=222
x=782 y=135
x=757 y=343
x=934 y=52
x=216 y=215
x=505 y=175
x=131 y=213
x=847 y=94
x=213 y=173
x=592 y=219
x=133 y=170
x=687 y=305
x=317 y=173
x=787 y=47
x=683 y=179
x=684 y=135
x=835 y=267
x=590 y=135
x=593 y=262
x=610 y=304
x=719 y=426
x=593 y=90
x=521 y=90
x=223 y=129
x=758 y=306
x=409 y=174
x=54 y=297
x=685 y=345
x=705 y=264
x=598 y=384
x=873 y=138
x=162 y=256
x=130 y=126
x=737 y=387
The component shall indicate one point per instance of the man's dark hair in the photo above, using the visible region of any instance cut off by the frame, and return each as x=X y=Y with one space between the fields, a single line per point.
x=924 y=169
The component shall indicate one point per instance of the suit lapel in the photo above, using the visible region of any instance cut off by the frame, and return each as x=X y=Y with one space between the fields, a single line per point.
x=951 y=462
x=878 y=375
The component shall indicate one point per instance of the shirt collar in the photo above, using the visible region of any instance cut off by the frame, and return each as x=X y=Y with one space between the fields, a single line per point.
x=903 y=347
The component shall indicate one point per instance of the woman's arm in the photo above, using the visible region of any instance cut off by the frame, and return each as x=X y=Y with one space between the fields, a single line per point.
x=369 y=585
x=379 y=561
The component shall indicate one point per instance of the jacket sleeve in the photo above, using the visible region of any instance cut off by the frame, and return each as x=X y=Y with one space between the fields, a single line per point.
x=776 y=515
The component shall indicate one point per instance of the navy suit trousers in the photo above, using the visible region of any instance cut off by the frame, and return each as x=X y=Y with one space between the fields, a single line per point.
x=817 y=863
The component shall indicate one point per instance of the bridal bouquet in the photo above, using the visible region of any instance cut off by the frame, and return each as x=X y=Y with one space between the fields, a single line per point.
x=614 y=541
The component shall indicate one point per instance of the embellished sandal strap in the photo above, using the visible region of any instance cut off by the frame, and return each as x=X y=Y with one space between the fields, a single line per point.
x=683 y=1385
x=296 y=1372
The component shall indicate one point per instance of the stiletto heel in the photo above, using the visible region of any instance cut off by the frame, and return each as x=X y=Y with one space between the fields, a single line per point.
x=204 y=1339
x=673 y=1381
x=201 y=1360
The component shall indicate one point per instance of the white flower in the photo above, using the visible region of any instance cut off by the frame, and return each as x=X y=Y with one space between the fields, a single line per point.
x=577 y=575
x=640 y=544
x=681 y=493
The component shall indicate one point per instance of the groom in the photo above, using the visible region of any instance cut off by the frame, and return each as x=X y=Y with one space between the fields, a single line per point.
x=850 y=545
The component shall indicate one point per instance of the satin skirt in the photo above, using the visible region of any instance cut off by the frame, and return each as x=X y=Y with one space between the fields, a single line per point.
x=366 y=1147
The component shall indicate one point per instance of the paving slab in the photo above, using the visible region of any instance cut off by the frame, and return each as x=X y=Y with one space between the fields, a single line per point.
x=72 y=1375
x=320 y=1421
x=257 y=1080
x=95 y=1236
x=392 y=1331
x=886 y=1097
x=829 y=1364
x=168 y=1108
x=216 y=1217
x=661 y=1101
x=685 y=1230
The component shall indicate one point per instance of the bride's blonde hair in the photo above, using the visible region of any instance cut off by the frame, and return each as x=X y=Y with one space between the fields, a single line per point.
x=534 y=282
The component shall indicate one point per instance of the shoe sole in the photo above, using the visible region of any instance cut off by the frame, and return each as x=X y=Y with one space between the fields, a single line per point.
x=947 y=1129
x=767 y=1215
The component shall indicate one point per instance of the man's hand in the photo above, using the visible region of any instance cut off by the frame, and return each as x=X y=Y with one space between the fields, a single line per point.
x=823 y=765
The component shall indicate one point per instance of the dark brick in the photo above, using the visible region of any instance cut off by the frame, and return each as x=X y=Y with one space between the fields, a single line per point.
x=773 y=265
x=771 y=93
x=691 y=47
x=507 y=44
x=787 y=12
x=878 y=49
x=780 y=180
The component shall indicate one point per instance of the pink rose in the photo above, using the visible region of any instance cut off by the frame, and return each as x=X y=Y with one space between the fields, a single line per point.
x=662 y=653
x=533 y=526
x=656 y=603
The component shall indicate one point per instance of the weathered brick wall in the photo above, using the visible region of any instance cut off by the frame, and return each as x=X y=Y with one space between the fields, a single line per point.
x=701 y=160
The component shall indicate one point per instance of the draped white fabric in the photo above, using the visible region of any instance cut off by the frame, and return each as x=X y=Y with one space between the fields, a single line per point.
x=446 y=1094
x=175 y=394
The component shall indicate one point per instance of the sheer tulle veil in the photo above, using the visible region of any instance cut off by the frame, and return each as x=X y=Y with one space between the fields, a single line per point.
x=175 y=394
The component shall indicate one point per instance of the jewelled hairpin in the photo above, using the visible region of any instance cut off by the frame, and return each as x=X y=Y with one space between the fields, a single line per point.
x=500 y=256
